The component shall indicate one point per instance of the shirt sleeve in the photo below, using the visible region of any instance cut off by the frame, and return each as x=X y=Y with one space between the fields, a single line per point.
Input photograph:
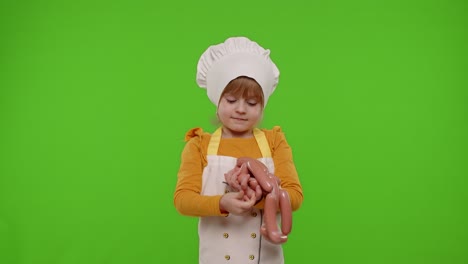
x=285 y=168
x=187 y=198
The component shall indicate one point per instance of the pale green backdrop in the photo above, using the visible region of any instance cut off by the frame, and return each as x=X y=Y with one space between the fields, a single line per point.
x=96 y=96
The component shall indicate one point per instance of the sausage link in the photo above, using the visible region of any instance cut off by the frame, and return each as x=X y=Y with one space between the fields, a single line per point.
x=286 y=212
x=270 y=209
x=259 y=171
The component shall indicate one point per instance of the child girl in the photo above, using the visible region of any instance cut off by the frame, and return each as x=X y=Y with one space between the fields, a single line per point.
x=239 y=77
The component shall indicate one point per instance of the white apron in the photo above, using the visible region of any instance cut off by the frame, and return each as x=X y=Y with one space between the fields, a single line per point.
x=233 y=239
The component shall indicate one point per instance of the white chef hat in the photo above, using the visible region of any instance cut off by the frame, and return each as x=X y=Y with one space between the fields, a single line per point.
x=237 y=56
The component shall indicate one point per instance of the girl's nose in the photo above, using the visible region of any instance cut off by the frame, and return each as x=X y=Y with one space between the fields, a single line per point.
x=241 y=106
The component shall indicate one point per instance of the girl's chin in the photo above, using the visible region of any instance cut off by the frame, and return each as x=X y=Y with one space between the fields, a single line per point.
x=239 y=128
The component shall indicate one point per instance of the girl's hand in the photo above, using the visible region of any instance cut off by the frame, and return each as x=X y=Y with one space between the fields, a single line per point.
x=234 y=203
x=231 y=178
x=255 y=187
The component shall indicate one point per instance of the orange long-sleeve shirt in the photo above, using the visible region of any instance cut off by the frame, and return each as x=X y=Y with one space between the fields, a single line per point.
x=187 y=197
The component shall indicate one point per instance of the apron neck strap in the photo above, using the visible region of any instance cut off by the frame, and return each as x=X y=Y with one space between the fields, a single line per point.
x=259 y=137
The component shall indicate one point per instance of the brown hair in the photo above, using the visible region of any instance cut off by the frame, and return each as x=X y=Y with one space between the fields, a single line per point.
x=244 y=87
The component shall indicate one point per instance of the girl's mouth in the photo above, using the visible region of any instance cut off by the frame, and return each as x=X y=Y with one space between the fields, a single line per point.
x=240 y=119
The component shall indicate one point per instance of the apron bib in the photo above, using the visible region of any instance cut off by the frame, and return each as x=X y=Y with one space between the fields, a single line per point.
x=233 y=239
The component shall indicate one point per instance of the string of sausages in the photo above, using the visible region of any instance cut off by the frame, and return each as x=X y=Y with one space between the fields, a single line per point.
x=253 y=177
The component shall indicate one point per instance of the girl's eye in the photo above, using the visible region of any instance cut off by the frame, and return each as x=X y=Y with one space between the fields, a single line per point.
x=252 y=103
x=230 y=100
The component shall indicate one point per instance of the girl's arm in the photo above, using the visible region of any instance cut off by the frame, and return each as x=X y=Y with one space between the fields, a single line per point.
x=285 y=169
x=187 y=198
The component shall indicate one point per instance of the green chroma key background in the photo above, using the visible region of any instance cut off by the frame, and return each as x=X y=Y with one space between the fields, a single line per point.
x=96 y=96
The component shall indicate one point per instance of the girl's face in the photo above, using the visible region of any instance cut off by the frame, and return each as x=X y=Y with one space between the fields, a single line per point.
x=239 y=115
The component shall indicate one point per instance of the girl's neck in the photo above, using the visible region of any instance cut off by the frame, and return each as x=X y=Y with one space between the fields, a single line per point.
x=233 y=134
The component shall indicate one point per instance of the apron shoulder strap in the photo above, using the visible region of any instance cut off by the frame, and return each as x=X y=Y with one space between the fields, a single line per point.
x=262 y=143
x=214 y=142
